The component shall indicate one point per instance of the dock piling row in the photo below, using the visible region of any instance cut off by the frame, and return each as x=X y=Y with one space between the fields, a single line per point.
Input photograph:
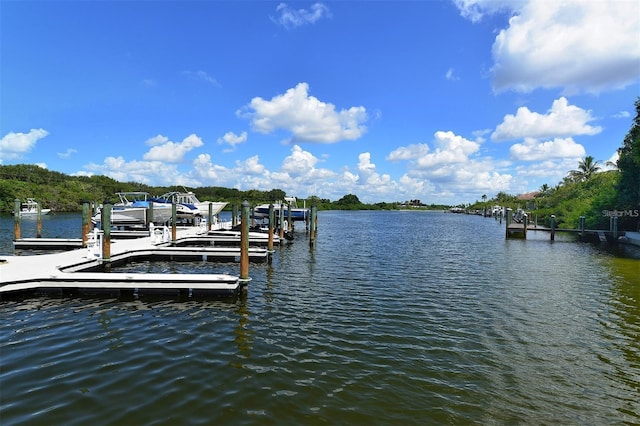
x=92 y=269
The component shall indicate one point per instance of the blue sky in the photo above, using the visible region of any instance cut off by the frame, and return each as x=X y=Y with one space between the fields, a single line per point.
x=441 y=101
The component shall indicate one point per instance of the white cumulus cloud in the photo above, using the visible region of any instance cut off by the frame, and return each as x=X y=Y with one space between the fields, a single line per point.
x=14 y=146
x=575 y=45
x=532 y=149
x=172 y=152
x=409 y=152
x=306 y=117
x=232 y=139
x=561 y=120
x=364 y=163
x=251 y=166
x=148 y=172
x=450 y=149
x=298 y=162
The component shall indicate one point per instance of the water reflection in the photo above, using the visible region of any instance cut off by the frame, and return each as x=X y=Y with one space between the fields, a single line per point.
x=621 y=328
x=394 y=318
x=243 y=334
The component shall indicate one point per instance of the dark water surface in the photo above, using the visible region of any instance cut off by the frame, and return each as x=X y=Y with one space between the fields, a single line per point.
x=392 y=318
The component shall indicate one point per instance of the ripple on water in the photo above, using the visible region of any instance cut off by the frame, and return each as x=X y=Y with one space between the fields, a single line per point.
x=445 y=324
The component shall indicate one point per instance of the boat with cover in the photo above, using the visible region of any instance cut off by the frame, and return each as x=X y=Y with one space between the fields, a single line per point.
x=29 y=208
x=189 y=201
x=297 y=213
x=132 y=209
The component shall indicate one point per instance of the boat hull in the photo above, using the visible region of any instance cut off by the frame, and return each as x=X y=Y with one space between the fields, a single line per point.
x=297 y=214
x=31 y=213
x=136 y=215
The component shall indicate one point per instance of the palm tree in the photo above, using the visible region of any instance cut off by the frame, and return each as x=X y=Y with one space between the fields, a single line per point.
x=544 y=189
x=586 y=168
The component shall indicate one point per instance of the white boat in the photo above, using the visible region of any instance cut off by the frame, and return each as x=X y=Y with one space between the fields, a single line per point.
x=29 y=208
x=132 y=209
x=188 y=200
x=297 y=213
x=496 y=211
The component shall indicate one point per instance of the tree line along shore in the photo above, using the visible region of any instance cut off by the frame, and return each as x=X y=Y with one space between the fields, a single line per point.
x=593 y=190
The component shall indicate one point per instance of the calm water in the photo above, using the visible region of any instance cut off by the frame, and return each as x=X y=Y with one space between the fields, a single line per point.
x=392 y=318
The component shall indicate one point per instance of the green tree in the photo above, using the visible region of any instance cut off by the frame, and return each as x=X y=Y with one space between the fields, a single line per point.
x=348 y=202
x=544 y=189
x=629 y=165
x=586 y=168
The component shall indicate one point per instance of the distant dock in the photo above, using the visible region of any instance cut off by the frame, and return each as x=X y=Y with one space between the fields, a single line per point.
x=519 y=229
x=515 y=230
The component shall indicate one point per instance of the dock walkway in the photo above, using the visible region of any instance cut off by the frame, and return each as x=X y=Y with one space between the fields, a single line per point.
x=520 y=230
x=70 y=271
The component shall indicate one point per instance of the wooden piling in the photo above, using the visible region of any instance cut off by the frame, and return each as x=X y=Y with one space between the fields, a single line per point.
x=234 y=215
x=289 y=219
x=210 y=217
x=582 y=227
x=316 y=219
x=174 y=217
x=85 y=223
x=105 y=219
x=244 y=242
x=553 y=227
x=38 y=220
x=150 y=213
x=525 y=222
x=614 y=227
x=281 y=221
x=16 y=219
x=508 y=222
x=271 y=218
x=312 y=229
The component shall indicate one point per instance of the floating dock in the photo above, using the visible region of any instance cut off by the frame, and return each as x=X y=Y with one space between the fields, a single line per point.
x=74 y=271
x=212 y=238
x=48 y=243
